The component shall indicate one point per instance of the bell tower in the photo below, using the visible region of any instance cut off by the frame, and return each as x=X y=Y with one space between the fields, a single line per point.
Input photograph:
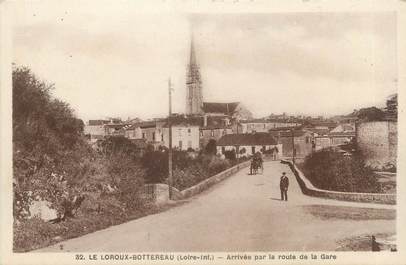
x=194 y=95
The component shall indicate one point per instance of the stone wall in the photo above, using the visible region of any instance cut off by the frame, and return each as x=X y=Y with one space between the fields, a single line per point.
x=159 y=193
x=377 y=141
x=308 y=189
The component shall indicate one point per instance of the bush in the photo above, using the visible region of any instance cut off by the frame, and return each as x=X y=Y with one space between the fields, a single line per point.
x=330 y=170
x=230 y=155
x=211 y=147
x=217 y=165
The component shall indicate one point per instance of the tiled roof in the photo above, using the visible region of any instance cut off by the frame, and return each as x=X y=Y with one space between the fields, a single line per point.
x=214 y=107
x=98 y=122
x=342 y=134
x=117 y=126
x=247 y=139
x=288 y=133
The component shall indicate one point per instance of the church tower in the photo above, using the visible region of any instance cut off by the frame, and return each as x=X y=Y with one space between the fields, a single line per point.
x=194 y=96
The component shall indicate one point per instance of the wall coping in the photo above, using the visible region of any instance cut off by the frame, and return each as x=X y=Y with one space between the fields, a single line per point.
x=308 y=186
x=186 y=193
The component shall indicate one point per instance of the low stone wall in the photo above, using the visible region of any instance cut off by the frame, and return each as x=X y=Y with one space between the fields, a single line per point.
x=159 y=193
x=307 y=188
x=205 y=184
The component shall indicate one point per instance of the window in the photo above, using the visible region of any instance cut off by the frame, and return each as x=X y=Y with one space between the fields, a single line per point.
x=212 y=133
x=180 y=145
x=189 y=144
x=162 y=137
x=223 y=149
x=153 y=136
x=201 y=133
x=224 y=132
x=143 y=135
x=307 y=139
x=189 y=130
x=253 y=149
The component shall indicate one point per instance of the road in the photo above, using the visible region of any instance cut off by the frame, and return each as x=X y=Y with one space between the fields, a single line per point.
x=242 y=213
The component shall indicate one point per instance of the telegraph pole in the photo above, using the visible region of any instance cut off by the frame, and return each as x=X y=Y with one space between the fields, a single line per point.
x=293 y=146
x=170 y=177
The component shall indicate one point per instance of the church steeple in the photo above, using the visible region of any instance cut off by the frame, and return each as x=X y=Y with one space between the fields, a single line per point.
x=194 y=95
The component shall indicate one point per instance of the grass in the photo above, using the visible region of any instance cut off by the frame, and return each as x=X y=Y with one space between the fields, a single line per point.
x=328 y=212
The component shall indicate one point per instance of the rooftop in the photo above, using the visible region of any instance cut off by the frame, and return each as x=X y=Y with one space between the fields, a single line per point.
x=247 y=139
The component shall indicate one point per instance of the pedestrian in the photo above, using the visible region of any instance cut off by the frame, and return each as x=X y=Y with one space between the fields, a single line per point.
x=284 y=184
x=375 y=245
x=275 y=153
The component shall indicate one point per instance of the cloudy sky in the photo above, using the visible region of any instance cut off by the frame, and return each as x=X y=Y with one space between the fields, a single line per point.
x=115 y=61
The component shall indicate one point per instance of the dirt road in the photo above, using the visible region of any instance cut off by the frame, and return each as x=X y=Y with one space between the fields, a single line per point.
x=243 y=213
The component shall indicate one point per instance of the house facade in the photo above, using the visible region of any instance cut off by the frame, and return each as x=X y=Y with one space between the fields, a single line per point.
x=262 y=125
x=302 y=141
x=248 y=144
x=212 y=133
x=184 y=137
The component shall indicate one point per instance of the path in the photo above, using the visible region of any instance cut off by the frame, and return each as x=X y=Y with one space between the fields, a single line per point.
x=242 y=213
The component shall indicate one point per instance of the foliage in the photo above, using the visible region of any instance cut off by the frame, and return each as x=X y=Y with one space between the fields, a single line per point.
x=371 y=114
x=49 y=152
x=53 y=162
x=156 y=166
x=230 y=155
x=211 y=147
x=330 y=170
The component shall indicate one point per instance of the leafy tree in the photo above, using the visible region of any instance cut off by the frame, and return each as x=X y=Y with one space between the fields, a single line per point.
x=371 y=114
x=211 y=147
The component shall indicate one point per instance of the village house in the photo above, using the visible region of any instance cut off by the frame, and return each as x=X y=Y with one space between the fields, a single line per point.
x=302 y=140
x=248 y=144
x=115 y=129
x=333 y=139
x=184 y=137
x=264 y=125
x=94 y=129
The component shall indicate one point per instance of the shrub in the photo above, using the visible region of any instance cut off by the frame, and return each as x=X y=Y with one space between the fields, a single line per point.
x=230 y=155
x=211 y=147
x=217 y=165
x=330 y=170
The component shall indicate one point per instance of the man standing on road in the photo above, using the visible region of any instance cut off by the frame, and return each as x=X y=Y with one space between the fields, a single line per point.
x=284 y=184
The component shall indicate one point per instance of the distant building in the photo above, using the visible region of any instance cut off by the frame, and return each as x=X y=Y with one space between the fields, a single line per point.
x=264 y=125
x=333 y=139
x=213 y=133
x=94 y=129
x=248 y=144
x=303 y=142
x=344 y=128
x=115 y=129
x=184 y=137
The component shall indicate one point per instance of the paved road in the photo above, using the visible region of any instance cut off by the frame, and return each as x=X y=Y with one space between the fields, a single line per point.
x=242 y=213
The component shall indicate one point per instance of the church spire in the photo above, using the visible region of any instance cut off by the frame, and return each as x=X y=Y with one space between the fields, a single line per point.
x=193 y=61
x=194 y=95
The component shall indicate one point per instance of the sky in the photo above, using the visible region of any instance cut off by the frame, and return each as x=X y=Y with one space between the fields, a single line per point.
x=114 y=61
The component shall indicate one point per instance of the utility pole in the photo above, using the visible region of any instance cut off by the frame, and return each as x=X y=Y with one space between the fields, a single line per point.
x=170 y=177
x=293 y=146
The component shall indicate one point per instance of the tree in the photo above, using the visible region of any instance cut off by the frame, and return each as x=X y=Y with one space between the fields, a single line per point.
x=371 y=114
x=211 y=147
x=49 y=151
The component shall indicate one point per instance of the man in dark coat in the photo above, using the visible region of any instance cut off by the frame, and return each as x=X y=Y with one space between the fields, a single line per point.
x=284 y=184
